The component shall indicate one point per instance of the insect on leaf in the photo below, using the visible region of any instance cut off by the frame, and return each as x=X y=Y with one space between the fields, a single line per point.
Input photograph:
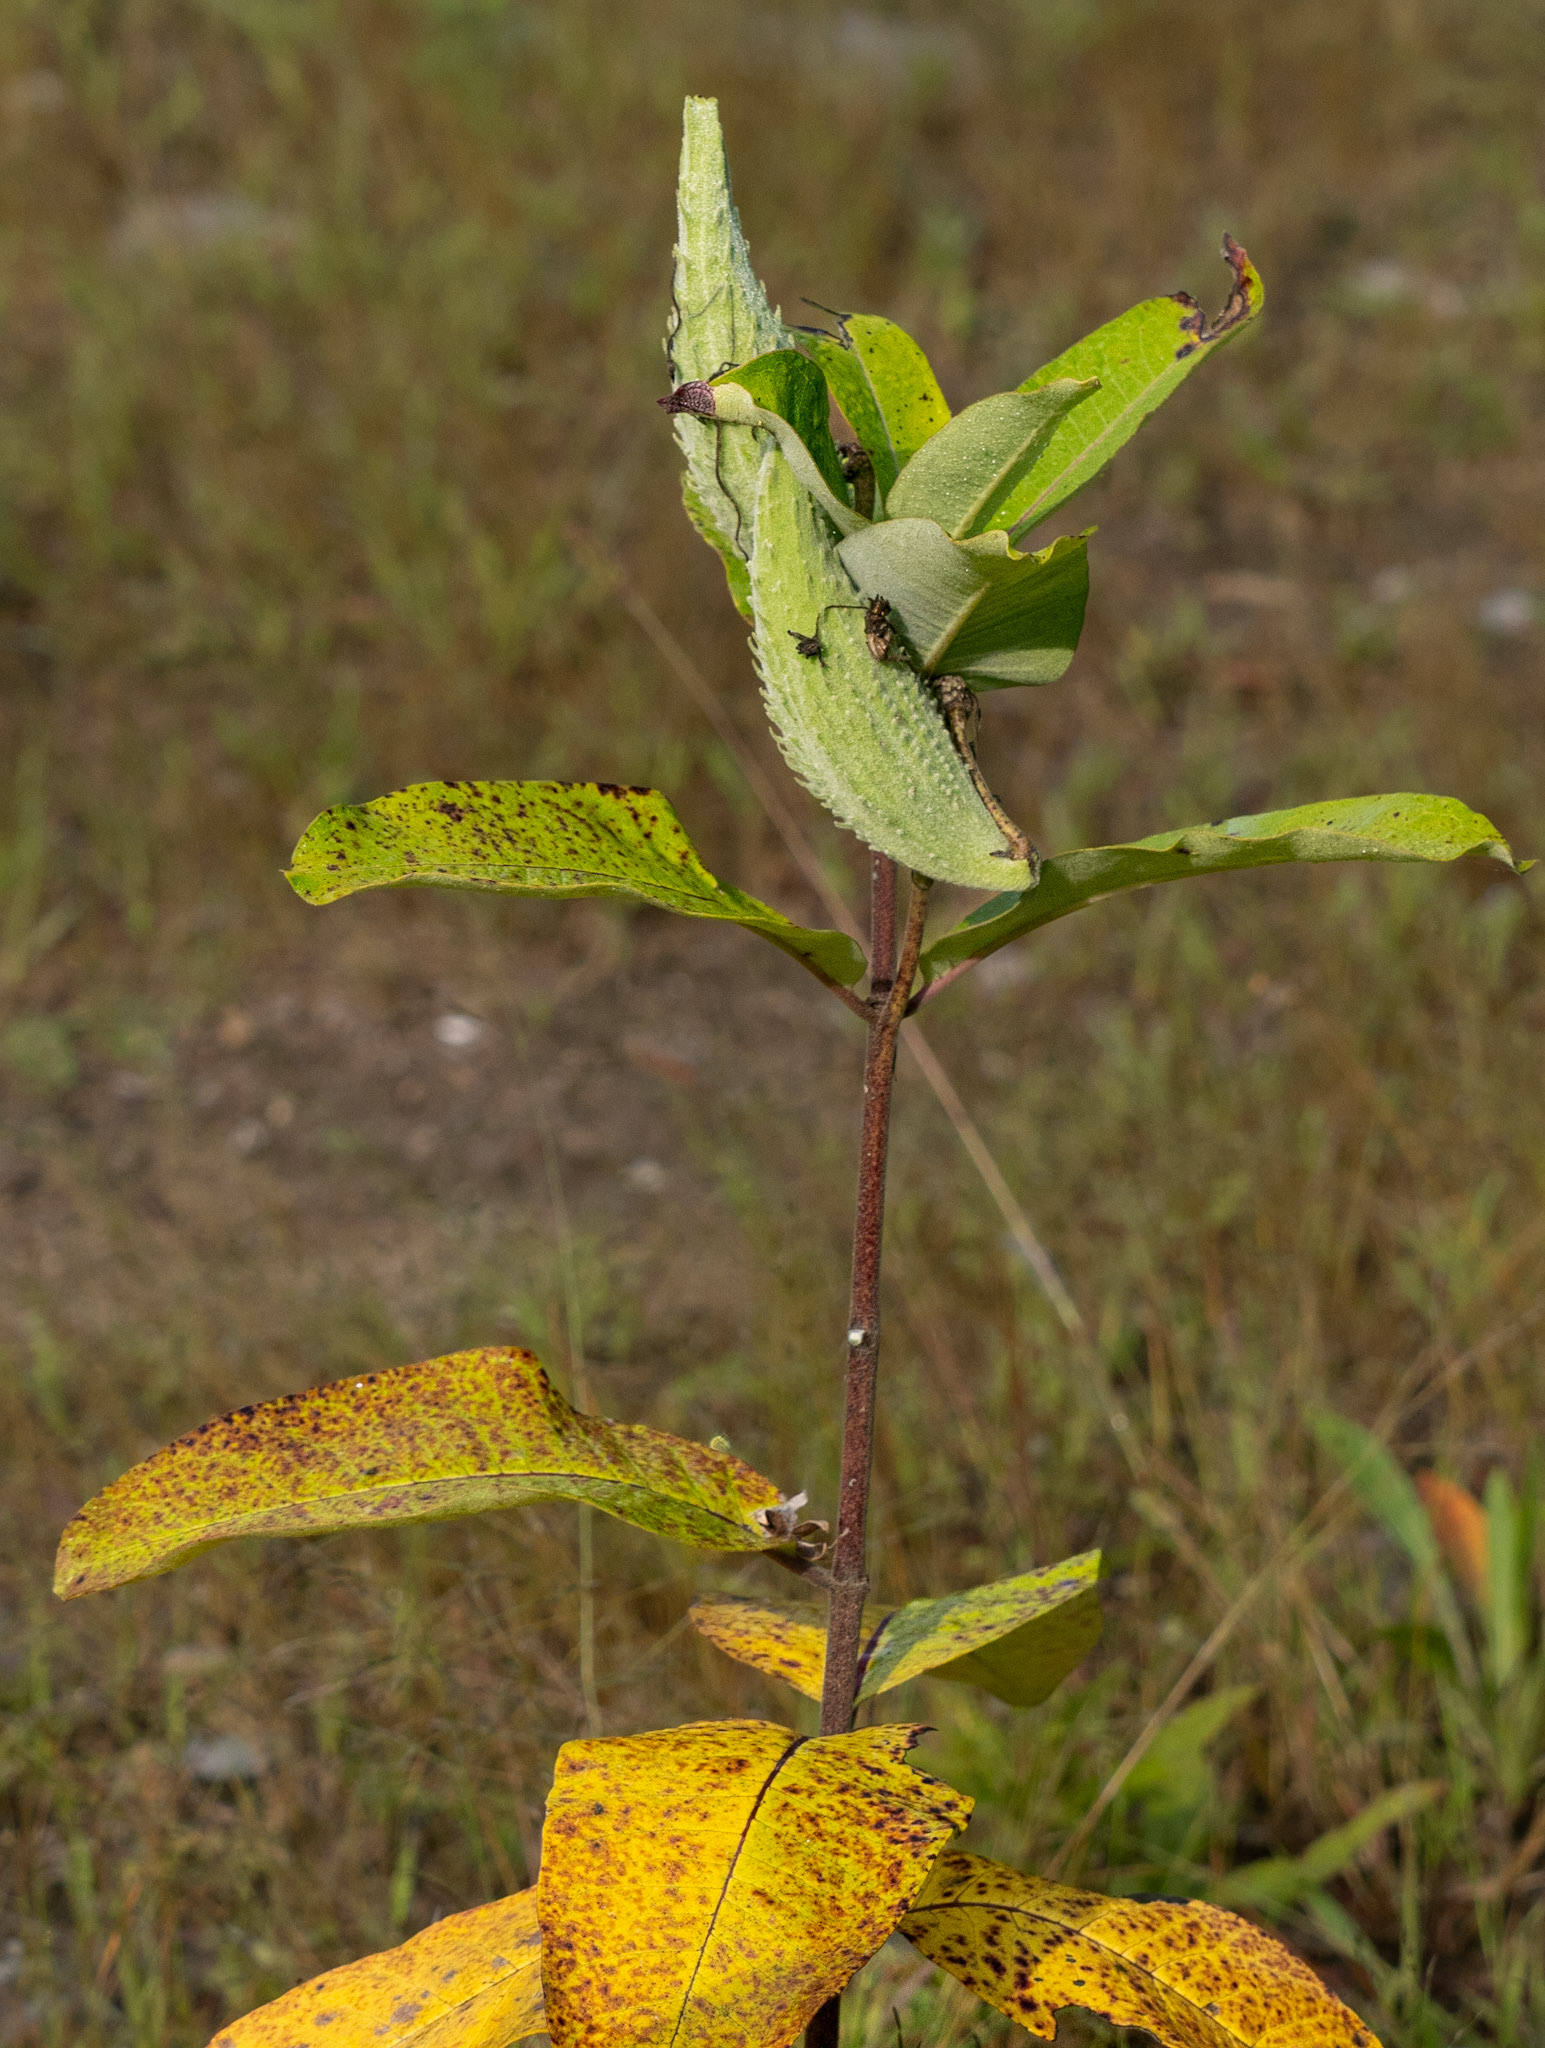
x=419 y=1443
x=867 y=738
x=711 y=1886
x=1192 y=1975
x=1139 y=359
x=884 y=386
x=973 y=465
x=473 y=1980
x=559 y=839
x=1017 y=1638
x=975 y=609
x=1397 y=828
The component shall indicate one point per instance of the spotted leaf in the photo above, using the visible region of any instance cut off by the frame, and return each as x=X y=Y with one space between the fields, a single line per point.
x=1017 y=1638
x=542 y=839
x=710 y=1886
x=473 y=1980
x=419 y=1443
x=1192 y=1975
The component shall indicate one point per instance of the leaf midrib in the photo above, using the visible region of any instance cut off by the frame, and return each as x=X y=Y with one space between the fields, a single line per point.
x=729 y=1877
x=324 y=1500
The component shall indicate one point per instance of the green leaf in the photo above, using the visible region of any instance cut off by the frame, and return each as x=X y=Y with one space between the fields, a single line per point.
x=420 y=1443
x=789 y=385
x=473 y=1980
x=542 y=839
x=1383 y=1486
x=1277 y=1882
x=1509 y=1557
x=735 y=570
x=1192 y=1975
x=1386 y=1490
x=866 y=738
x=975 y=609
x=1139 y=360
x=711 y=1886
x=973 y=465
x=1174 y=1777
x=735 y=406
x=885 y=388
x=1016 y=1638
x=720 y=316
x=1399 y=827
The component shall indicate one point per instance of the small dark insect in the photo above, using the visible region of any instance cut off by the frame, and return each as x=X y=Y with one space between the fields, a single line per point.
x=962 y=714
x=879 y=630
x=858 y=468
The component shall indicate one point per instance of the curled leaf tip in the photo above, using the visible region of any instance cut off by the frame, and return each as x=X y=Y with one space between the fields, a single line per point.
x=1243 y=302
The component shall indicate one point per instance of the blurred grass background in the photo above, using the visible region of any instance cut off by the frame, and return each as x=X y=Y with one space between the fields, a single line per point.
x=324 y=321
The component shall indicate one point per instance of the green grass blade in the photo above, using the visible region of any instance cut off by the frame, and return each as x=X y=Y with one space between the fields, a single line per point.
x=1400 y=827
x=1277 y=1882
x=555 y=839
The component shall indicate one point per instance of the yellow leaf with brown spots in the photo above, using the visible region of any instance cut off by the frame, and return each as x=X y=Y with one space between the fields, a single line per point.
x=471 y=1981
x=554 y=839
x=710 y=1886
x=1192 y=1975
x=1016 y=1638
x=419 y=1443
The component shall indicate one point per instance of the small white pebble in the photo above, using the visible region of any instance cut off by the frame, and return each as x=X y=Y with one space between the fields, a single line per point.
x=647 y=1175
x=248 y=1136
x=1507 y=613
x=1392 y=586
x=456 y=1031
x=217 y=1759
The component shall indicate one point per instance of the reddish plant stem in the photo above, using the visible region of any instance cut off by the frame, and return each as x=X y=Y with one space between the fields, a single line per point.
x=890 y=984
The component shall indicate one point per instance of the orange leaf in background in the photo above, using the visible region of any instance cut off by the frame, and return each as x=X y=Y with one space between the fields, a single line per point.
x=1459 y=1523
x=471 y=1981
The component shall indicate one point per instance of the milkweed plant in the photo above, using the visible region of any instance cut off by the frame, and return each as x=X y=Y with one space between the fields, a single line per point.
x=717 y=1885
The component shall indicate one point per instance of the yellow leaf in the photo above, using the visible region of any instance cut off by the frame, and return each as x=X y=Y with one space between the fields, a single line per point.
x=710 y=1886
x=1192 y=1975
x=471 y=1981
x=1016 y=1638
x=1460 y=1525
x=454 y=1436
